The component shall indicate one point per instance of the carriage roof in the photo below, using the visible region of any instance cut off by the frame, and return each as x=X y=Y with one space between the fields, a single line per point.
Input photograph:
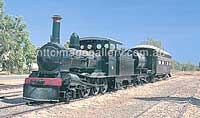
x=101 y=39
x=154 y=48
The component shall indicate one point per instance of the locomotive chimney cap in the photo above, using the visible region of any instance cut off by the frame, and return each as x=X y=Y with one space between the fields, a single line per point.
x=57 y=18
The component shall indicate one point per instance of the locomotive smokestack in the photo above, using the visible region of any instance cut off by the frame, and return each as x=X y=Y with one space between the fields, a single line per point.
x=56 y=29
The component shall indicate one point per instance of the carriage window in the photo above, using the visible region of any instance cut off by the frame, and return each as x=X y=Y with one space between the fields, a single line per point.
x=106 y=46
x=112 y=46
x=98 y=46
x=82 y=46
x=89 y=46
x=159 y=62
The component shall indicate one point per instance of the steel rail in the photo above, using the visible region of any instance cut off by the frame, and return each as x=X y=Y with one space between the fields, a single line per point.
x=35 y=109
x=6 y=96
x=11 y=86
x=185 y=107
x=43 y=107
x=155 y=104
x=15 y=105
x=10 y=92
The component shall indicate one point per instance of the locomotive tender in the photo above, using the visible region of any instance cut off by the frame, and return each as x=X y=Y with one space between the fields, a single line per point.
x=91 y=65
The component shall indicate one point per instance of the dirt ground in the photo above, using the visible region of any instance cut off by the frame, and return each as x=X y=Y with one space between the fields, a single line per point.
x=12 y=79
x=178 y=97
x=11 y=82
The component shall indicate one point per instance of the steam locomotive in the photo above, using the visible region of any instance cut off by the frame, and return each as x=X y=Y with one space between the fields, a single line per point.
x=91 y=65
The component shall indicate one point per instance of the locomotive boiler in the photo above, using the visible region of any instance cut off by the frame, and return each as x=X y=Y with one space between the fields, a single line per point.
x=88 y=66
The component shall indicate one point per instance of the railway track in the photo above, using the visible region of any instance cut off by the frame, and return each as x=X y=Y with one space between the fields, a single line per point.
x=15 y=105
x=167 y=97
x=184 y=109
x=42 y=107
x=10 y=92
x=6 y=96
x=3 y=87
x=25 y=111
x=33 y=109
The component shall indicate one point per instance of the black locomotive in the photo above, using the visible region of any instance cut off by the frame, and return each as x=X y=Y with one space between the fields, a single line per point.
x=91 y=65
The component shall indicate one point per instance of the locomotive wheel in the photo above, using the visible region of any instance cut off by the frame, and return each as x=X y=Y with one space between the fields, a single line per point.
x=85 y=92
x=134 y=84
x=165 y=77
x=104 y=88
x=153 y=79
x=95 y=90
x=140 y=80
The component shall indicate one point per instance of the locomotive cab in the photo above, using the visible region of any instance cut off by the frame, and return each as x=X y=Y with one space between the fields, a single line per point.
x=106 y=51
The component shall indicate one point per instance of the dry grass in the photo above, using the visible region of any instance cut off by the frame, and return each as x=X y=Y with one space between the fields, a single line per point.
x=12 y=82
x=121 y=104
x=187 y=73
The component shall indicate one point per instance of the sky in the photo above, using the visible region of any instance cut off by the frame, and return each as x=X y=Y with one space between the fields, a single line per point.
x=174 y=22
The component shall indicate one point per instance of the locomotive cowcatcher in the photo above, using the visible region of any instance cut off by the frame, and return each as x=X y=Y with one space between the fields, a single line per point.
x=91 y=65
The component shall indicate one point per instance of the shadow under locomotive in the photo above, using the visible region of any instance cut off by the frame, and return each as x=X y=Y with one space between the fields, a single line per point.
x=13 y=100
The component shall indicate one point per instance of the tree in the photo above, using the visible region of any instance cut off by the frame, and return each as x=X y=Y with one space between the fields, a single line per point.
x=153 y=42
x=16 y=50
x=199 y=65
x=184 y=66
x=30 y=54
x=1 y=8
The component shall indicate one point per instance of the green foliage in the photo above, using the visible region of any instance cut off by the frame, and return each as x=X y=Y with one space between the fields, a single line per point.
x=184 y=66
x=1 y=8
x=153 y=42
x=199 y=65
x=175 y=65
x=16 y=50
